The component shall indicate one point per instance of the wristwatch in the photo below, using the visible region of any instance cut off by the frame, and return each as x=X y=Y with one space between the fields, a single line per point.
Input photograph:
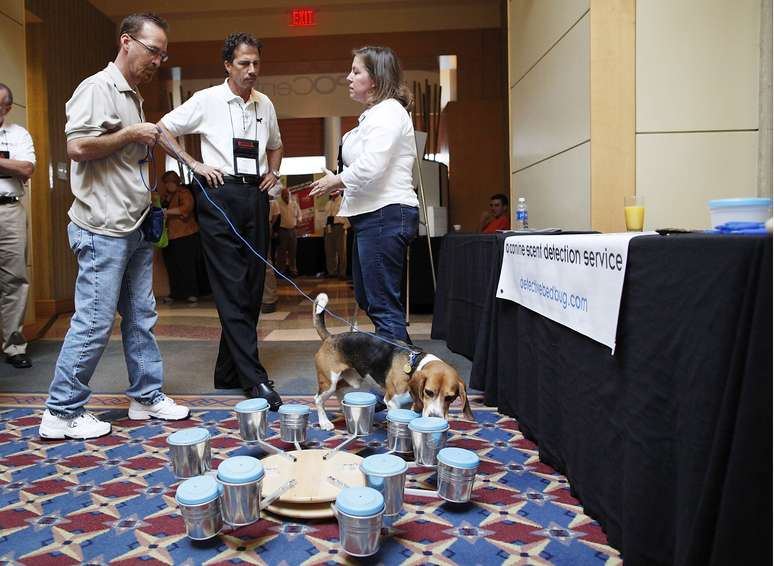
x=276 y=174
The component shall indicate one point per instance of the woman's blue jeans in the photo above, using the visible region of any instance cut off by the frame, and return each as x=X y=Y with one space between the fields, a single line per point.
x=381 y=239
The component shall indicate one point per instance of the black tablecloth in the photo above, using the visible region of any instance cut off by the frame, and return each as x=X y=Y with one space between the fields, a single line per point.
x=668 y=443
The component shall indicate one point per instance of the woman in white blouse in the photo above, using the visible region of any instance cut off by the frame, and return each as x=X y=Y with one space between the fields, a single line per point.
x=378 y=192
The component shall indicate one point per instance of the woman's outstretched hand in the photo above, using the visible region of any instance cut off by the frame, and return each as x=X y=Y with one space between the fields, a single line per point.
x=329 y=184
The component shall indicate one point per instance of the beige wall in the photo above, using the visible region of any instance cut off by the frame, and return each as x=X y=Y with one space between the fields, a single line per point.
x=697 y=106
x=655 y=96
x=550 y=110
x=13 y=62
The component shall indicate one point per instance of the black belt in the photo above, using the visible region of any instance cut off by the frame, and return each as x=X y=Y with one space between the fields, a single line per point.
x=8 y=199
x=253 y=180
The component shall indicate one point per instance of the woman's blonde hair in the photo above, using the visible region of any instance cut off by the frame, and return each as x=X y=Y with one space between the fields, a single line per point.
x=384 y=68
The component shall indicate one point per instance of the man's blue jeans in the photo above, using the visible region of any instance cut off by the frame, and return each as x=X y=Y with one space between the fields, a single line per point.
x=378 y=256
x=113 y=274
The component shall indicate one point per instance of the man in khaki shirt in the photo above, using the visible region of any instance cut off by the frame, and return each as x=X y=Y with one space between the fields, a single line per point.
x=107 y=138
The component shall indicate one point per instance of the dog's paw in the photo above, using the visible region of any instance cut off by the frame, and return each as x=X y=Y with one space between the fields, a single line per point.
x=326 y=425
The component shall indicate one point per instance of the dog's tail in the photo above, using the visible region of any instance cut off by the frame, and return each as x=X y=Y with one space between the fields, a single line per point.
x=318 y=315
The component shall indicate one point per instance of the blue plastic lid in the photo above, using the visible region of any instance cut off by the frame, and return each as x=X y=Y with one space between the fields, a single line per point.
x=402 y=415
x=458 y=458
x=383 y=465
x=360 y=501
x=252 y=405
x=188 y=436
x=240 y=469
x=428 y=424
x=360 y=398
x=731 y=202
x=198 y=490
x=294 y=409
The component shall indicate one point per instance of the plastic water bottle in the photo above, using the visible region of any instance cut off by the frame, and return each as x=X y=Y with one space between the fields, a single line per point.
x=522 y=215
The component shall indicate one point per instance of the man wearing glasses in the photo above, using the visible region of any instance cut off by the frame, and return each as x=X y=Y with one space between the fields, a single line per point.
x=242 y=150
x=107 y=141
x=17 y=162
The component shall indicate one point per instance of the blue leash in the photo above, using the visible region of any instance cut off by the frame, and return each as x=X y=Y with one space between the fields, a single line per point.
x=205 y=191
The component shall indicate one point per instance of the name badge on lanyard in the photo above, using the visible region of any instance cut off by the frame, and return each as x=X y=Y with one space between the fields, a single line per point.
x=246 y=157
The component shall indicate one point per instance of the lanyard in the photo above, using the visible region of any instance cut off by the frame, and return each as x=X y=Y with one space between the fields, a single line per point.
x=244 y=122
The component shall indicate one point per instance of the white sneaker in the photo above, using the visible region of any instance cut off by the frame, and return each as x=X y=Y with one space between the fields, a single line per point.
x=165 y=409
x=82 y=427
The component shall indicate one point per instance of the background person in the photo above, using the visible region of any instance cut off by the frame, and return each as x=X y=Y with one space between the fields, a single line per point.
x=497 y=217
x=286 y=206
x=107 y=137
x=242 y=152
x=183 y=254
x=335 y=239
x=17 y=163
x=378 y=194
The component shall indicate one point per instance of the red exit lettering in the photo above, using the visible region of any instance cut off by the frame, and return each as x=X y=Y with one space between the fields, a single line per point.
x=302 y=17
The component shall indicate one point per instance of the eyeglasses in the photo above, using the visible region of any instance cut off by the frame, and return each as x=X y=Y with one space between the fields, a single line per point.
x=154 y=51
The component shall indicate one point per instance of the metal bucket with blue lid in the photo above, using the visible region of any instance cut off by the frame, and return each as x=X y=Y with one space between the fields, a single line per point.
x=294 y=420
x=359 y=412
x=457 y=469
x=359 y=511
x=241 y=478
x=398 y=433
x=428 y=436
x=189 y=452
x=386 y=474
x=199 y=502
x=252 y=415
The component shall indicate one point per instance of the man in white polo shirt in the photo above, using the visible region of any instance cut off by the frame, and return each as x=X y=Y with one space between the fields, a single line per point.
x=107 y=140
x=242 y=151
x=17 y=162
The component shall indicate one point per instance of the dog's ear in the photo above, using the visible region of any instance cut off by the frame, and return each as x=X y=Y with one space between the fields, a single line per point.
x=463 y=393
x=417 y=387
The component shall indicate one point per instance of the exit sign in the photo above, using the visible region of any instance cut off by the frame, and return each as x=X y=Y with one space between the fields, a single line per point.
x=302 y=17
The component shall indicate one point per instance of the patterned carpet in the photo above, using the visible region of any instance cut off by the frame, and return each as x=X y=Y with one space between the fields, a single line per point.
x=111 y=500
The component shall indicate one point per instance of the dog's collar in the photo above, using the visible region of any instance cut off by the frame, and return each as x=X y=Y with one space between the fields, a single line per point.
x=418 y=360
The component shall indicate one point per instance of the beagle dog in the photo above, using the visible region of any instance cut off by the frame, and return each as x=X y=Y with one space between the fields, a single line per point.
x=345 y=360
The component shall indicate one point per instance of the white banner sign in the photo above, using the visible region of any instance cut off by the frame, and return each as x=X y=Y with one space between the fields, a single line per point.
x=575 y=280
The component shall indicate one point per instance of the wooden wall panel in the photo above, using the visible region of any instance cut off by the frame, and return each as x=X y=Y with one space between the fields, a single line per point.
x=481 y=66
x=612 y=108
x=476 y=167
x=77 y=41
x=302 y=137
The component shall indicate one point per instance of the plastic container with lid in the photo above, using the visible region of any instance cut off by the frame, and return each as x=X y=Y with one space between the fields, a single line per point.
x=739 y=210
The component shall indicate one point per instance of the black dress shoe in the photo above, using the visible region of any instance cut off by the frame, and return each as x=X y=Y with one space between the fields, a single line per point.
x=265 y=390
x=19 y=361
